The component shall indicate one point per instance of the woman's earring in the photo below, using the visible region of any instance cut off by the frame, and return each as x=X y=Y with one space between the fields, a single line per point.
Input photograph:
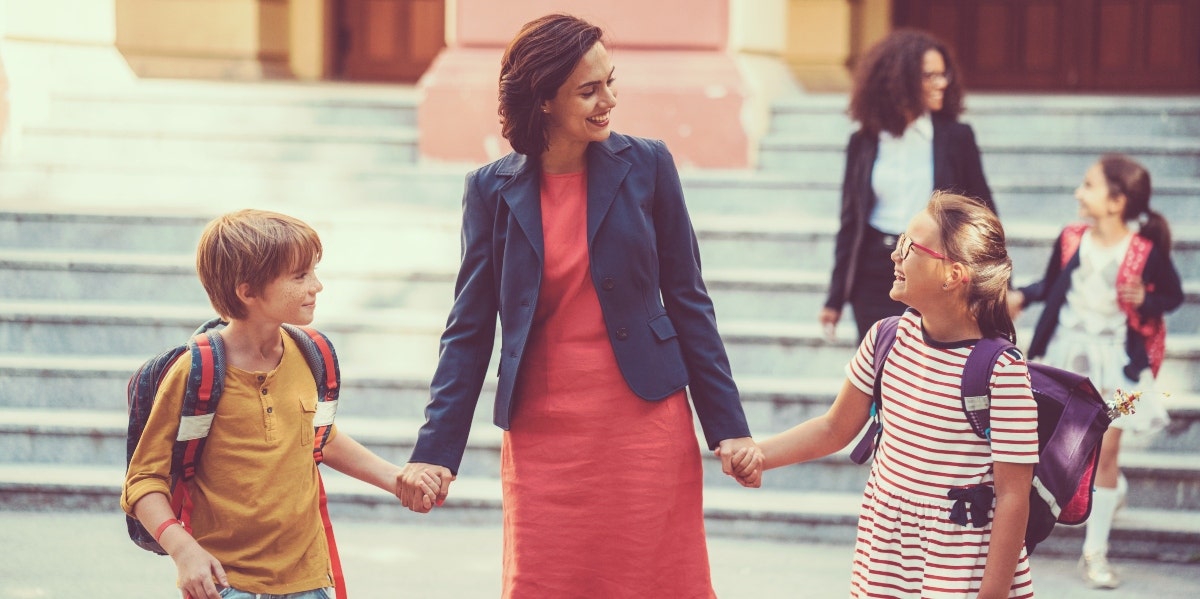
x=945 y=285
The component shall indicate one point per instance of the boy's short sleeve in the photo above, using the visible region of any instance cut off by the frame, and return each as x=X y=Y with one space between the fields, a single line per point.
x=150 y=467
x=1013 y=412
x=860 y=371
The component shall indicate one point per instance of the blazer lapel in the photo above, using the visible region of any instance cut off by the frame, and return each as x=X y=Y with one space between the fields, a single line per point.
x=941 y=155
x=522 y=193
x=606 y=172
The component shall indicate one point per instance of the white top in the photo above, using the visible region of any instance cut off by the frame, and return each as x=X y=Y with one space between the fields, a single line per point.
x=902 y=177
x=1092 y=299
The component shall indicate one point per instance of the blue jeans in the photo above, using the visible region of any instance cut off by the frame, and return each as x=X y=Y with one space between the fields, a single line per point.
x=232 y=593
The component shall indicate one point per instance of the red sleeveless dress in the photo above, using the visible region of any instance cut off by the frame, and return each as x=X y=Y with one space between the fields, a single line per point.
x=602 y=489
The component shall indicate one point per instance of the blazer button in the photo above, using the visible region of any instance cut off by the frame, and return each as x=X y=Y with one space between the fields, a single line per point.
x=608 y=283
x=622 y=333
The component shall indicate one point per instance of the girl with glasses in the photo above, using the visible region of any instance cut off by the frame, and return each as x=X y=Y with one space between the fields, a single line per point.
x=951 y=268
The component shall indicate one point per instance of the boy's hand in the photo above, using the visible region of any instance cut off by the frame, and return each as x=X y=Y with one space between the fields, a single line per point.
x=420 y=486
x=197 y=570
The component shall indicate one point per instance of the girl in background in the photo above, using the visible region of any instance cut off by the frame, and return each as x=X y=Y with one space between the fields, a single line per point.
x=1107 y=286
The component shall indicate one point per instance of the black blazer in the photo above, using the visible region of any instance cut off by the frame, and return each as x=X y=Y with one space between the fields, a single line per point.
x=645 y=264
x=1056 y=282
x=956 y=167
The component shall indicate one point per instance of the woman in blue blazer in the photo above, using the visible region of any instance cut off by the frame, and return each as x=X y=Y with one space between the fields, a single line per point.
x=580 y=243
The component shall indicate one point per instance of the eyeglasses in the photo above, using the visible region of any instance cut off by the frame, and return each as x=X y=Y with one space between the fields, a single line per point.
x=938 y=78
x=904 y=245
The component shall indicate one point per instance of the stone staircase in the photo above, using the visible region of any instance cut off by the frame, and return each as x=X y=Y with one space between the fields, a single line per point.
x=101 y=209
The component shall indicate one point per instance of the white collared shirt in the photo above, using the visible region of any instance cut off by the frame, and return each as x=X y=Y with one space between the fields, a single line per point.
x=903 y=175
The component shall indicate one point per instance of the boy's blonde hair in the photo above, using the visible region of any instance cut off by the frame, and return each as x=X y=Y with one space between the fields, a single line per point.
x=253 y=247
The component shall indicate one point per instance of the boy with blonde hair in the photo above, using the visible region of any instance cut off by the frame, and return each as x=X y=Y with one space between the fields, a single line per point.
x=255 y=521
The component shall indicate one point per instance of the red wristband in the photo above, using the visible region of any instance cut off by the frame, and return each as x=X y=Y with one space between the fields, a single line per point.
x=163 y=527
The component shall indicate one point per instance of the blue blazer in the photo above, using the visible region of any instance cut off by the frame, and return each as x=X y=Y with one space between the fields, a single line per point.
x=645 y=265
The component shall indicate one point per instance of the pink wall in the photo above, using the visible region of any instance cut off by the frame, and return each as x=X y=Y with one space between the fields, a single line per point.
x=665 y=24
x=675 y=81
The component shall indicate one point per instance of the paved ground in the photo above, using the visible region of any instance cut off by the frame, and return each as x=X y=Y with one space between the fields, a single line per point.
x=61 y=555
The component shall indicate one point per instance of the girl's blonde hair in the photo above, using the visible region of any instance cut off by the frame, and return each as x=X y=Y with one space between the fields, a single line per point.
x=972 y=236
x=253 y=247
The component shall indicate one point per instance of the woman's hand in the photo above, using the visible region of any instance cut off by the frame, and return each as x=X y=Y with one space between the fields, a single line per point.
x=415 y=486
x=742 y=459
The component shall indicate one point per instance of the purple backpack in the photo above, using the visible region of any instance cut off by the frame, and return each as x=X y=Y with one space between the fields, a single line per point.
x=1072 y=419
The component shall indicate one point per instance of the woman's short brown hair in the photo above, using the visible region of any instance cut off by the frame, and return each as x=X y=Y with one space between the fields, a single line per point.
x=253 y=247
x=536 y=63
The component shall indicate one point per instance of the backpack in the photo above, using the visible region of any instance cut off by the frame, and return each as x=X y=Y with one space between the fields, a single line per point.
x=201 y=396
x=1072 y=419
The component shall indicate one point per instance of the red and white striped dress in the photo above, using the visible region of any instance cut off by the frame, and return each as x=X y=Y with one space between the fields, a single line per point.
x=907 y=545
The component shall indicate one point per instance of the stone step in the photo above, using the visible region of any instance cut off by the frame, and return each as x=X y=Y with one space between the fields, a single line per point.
x=1002 y=158
x=161 y=104
x=772 y=404
x=1156 y=479
x=1166 y=535
x=318 y=145
x=755 y=347
x=395 y=190
x=823 y=116
x=790 y=296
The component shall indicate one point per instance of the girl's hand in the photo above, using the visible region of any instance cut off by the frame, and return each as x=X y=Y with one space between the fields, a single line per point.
x=1133 y=293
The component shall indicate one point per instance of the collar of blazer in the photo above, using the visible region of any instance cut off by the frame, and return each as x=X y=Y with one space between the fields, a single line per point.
x=607 y=169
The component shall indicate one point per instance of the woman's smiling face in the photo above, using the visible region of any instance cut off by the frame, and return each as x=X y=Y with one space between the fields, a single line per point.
x=579 y=112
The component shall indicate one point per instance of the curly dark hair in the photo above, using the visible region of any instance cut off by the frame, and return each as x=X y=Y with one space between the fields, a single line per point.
x=536 y=63
x=888 y=80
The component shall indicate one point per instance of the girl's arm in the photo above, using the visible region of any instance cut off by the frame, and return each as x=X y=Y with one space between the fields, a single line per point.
x=822 y=435
x=1013 y=482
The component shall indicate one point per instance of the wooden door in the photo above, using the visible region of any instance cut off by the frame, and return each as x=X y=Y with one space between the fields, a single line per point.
x=1135 y=46
x=388 y=40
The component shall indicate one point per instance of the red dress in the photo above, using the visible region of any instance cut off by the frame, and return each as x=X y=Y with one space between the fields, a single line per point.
x=602 y=489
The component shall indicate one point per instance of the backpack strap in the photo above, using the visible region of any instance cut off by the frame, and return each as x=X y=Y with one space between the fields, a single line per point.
x=885 y=338
x=204 y=386
x=322 y=361
x=1072 y=236
x=976 y=379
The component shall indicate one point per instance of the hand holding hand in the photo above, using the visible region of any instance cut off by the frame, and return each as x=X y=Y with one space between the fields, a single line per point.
x=742 y=459
x=421 y=486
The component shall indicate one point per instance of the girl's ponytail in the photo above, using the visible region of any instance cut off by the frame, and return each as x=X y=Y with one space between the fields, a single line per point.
x=1157 y=231
x=973 y=236
x=1126 y=176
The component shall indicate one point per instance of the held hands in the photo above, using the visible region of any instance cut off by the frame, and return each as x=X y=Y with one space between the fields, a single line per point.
x=742 y=459
x=420 y=487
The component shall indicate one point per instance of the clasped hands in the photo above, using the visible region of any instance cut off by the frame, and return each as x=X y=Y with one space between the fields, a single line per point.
x=742 y=459
x=420 y=487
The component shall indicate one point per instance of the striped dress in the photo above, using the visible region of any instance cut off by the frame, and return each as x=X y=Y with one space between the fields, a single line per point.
x=907 y=546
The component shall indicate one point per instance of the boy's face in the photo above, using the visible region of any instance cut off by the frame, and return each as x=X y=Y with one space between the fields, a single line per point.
x=290 y=298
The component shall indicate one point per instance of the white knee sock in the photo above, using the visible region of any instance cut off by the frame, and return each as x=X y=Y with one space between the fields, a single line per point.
x=1099 y=523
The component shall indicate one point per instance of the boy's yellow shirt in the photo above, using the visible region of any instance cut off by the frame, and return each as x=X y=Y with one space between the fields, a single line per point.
x=255 y=493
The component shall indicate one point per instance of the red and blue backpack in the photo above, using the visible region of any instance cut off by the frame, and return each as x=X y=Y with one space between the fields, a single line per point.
x=201 y=396
x=1072 y=419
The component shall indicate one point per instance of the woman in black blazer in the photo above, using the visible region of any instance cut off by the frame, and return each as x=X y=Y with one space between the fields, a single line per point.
x=580 y=243
x=907 y=97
